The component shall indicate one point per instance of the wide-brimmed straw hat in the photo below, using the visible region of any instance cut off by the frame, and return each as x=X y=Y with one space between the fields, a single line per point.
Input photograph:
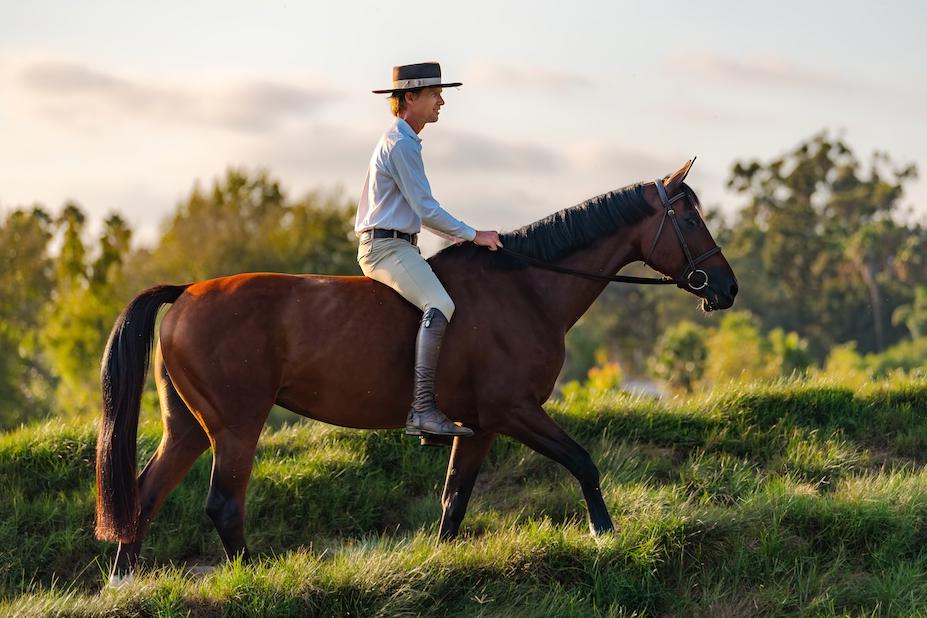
x=411 y=76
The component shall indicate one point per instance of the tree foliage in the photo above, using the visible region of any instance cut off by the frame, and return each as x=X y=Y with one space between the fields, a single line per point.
x=245 y=223
x=26 y=281
x=823 y=250
x=914 y=315
x=60 y=293
x=819 y=234
x=680 y=356
x=82 y=309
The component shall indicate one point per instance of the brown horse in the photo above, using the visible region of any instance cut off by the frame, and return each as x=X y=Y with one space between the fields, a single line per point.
x=340 y=350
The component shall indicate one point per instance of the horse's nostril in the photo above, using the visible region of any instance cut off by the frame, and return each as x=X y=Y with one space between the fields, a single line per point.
x=733 y=290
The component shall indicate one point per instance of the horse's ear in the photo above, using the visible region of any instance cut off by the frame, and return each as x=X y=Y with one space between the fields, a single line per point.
x=678 y=177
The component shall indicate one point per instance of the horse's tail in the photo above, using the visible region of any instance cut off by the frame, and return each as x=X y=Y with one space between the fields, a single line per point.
x=124 y=366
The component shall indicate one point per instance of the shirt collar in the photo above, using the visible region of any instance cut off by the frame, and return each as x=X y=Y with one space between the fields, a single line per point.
x=406 y=129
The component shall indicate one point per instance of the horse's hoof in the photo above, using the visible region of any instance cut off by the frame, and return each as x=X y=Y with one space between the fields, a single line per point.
x=601 y=529
x=118 y=581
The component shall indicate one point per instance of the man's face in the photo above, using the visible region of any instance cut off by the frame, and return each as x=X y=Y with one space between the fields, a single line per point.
x=427 y=105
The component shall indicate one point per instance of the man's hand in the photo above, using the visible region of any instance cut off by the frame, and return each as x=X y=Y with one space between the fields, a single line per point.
x=488 y=238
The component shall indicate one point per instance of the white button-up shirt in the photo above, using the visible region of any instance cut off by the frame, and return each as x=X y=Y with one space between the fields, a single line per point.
x=396 y=193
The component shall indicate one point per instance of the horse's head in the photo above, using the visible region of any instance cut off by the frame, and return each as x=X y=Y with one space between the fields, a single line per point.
x=676 y=242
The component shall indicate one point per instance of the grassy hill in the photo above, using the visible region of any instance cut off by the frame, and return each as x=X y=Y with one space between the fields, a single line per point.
x=787 y=499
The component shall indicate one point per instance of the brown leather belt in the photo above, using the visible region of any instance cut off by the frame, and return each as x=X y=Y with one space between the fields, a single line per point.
x=381 y=233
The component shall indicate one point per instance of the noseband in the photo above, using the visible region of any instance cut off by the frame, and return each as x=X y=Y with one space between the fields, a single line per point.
x=683 y=280
x=691 y=270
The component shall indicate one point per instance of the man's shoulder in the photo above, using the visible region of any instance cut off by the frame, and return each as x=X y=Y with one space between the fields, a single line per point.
x=395 y=140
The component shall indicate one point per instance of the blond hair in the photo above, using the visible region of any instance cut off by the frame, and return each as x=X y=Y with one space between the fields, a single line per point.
x=397 y=100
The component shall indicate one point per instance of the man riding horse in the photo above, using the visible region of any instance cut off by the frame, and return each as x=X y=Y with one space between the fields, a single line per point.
x=395 y=203
x=231 y=348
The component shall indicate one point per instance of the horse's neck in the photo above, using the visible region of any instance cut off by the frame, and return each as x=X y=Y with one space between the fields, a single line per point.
x=570 y=296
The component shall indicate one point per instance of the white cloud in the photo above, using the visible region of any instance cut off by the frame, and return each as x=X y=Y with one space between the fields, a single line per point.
x=340 y=149
x=545 y=79
x=472 y=152
x=317 y=150
x=763 y=71
x=626 y=164
x=73 y=93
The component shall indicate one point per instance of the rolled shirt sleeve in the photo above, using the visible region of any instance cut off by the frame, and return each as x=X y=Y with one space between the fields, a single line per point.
x=406 y=160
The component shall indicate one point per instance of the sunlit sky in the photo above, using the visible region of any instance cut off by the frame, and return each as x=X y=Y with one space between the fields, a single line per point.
x=122 y=106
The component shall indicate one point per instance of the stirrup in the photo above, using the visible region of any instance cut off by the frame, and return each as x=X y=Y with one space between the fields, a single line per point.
x=438 y=441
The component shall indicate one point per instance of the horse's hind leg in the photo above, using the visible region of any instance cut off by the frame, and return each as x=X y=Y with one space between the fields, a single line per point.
x=182 y=442
x=463 y=467
x=233 y=408
x=233 y=458
x=532 y=426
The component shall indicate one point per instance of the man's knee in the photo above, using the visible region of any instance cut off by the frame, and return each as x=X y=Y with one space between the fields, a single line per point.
x=444 y=305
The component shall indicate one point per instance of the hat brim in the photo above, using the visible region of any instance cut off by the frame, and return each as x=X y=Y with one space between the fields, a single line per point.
x=392 y=90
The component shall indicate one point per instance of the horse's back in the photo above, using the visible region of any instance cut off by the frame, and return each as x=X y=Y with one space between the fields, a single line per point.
x=336 y=348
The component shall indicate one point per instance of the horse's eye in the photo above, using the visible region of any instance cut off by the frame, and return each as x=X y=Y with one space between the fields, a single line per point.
x=692 y=222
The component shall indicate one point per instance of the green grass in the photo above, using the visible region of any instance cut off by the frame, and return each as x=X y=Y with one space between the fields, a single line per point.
x=764 y=500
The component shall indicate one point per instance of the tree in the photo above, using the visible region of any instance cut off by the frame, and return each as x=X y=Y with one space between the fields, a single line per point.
x=818 y=231
x=245 y=223
x=84 y=306
x=71 y=264
x=26 y=281
x=57 y=307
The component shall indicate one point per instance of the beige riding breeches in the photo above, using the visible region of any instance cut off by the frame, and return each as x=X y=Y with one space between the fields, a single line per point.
x=400 y=265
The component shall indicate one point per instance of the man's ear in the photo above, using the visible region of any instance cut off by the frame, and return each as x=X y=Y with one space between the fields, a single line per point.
x=678 y=177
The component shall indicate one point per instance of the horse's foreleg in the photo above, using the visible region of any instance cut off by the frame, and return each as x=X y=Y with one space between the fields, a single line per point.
x=534 y=428
x=463 y=467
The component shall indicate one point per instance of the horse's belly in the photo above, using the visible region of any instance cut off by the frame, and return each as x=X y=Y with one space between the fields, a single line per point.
x=364 y=399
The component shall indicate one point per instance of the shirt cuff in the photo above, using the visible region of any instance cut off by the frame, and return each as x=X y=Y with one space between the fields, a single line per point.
x=469 y=233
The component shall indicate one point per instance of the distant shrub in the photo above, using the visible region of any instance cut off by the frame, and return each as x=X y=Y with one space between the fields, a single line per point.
x=788 y=353
x=681 y=356
x=602 y=377
x=845 y=364
x=737 y=350
x=848 y=366
x=906 y=355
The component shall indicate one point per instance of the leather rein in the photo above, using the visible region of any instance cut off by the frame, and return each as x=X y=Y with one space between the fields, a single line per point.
x=686 y=278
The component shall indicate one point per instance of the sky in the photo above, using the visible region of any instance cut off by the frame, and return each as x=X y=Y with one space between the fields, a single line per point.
x=123 y=106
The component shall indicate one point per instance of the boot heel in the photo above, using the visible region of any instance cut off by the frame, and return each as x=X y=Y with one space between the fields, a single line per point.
x=438 y=441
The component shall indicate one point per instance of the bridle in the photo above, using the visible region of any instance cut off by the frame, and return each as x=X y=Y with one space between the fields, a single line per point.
x=685 y=279
x=670 y=213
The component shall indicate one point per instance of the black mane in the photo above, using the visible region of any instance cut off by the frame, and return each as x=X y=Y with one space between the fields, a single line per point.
x=571 y=228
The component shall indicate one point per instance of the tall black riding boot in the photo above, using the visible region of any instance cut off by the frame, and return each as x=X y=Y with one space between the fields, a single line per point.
x=425 y=417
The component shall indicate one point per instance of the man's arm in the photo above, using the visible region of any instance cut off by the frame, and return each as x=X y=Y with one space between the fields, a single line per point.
x=410 y=176
x=441 y=234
